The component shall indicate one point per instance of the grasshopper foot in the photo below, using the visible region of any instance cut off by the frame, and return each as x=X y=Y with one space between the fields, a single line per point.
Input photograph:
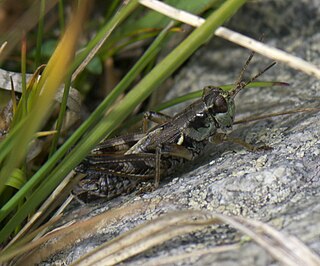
x=262 y=147
x=146 y=187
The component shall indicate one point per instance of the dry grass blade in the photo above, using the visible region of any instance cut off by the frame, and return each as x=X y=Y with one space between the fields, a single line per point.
x=176 y=14
x=169 y=260
x=47 y=207
x=147 y=242
x=268 y=51
x=285 y=249
x=66 y=236
x=20 y=247
x=146 y=236
x=3 y=46
x=235 y=37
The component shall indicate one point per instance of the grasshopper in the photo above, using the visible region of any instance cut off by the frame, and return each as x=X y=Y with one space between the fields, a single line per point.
x=117 y=166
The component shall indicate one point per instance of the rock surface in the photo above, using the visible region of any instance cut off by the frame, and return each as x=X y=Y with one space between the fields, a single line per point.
x=280 y=186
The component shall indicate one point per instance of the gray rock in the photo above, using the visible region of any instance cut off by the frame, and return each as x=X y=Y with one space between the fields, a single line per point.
x=280 y=186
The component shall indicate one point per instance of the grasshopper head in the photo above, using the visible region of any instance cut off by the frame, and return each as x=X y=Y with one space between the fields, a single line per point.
x=220 y=103
x=220 y=106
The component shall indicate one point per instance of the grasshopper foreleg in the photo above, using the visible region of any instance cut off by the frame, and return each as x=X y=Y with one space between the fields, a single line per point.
x=173 y=150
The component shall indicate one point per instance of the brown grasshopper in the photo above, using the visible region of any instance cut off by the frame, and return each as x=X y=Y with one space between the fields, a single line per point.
x=118 y=165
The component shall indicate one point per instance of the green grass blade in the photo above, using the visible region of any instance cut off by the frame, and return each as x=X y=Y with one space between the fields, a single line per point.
x=62 y=112
x=23 y=74
x=61 y=15
x=40 y=33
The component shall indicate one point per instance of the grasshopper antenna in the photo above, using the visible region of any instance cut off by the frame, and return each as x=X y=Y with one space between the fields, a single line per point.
x=240 y=84
x=259 y=74
x=244 y=68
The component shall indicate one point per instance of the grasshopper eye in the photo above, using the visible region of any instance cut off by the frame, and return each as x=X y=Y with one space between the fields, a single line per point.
x=220 y=104
x=214 y=100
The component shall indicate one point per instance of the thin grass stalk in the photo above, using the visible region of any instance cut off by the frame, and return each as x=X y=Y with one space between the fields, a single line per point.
x=61 y=15
x=40 y=33
x=23 y=74
x=62 y=112
x=112 y=8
